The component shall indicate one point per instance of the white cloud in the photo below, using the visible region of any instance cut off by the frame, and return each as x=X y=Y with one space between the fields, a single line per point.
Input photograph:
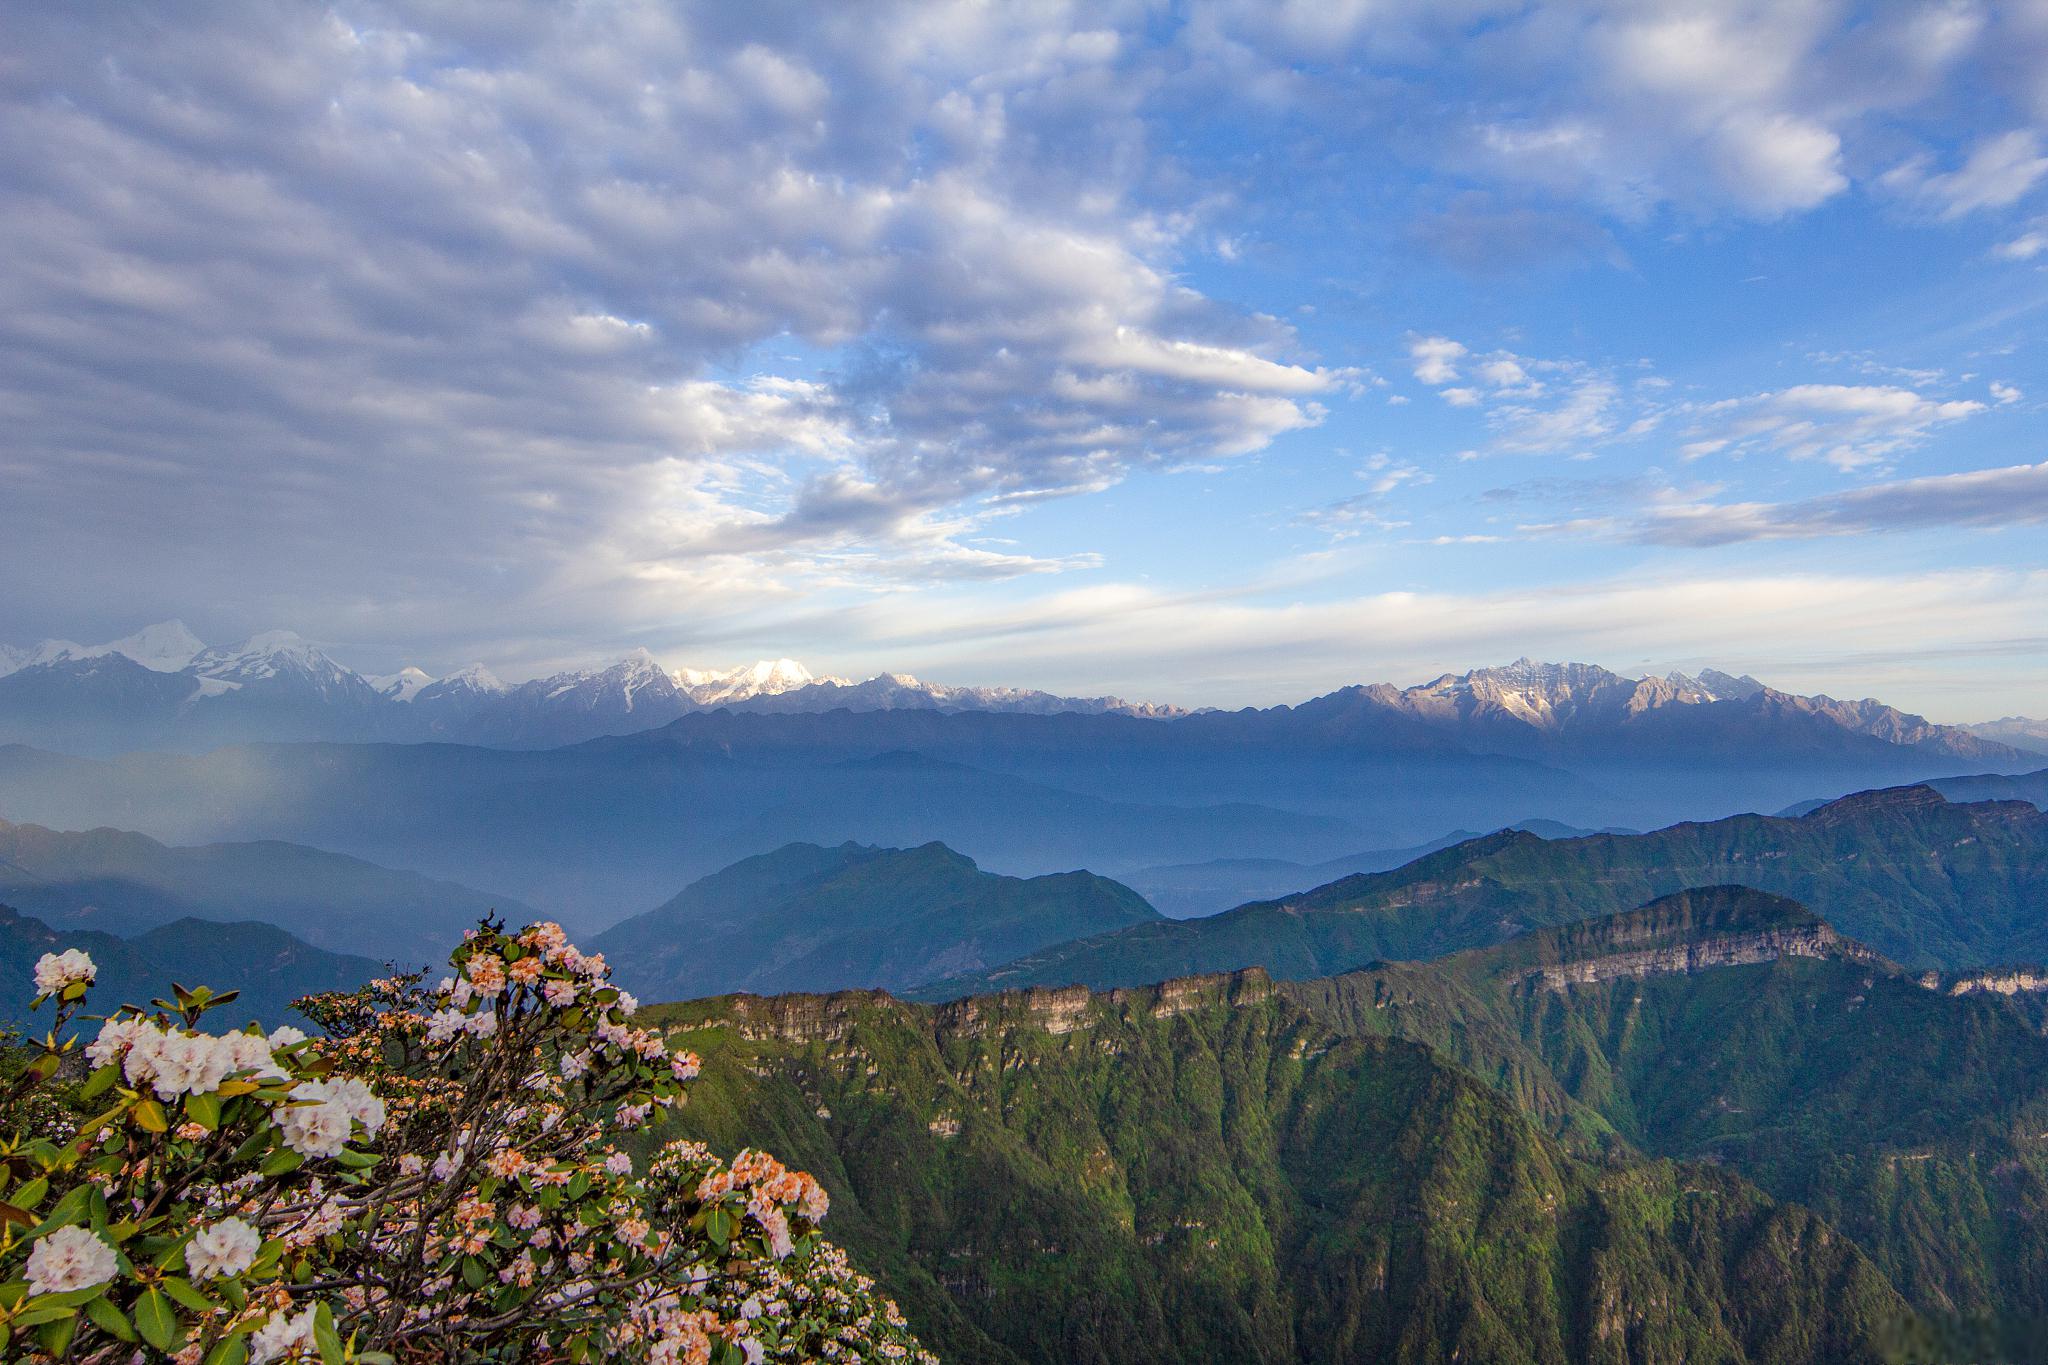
x=1850 y=426
x=1266 y=645
x=1982 y=499
x=1436 y=359
x=1998 y=172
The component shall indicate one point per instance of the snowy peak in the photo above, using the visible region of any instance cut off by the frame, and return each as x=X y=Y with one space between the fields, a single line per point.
x=766 y=678
x=475 y=679
x=276 y=662
x=403 y=685
x=166 y=647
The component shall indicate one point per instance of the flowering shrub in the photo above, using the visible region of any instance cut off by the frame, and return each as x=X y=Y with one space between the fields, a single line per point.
x=437 y=1179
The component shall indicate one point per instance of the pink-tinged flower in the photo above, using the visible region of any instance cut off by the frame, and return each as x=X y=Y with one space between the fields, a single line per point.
x=55 y=971
x=69 y=1258
x=559 y=993
x=619 y=1163
x=282 y=1336
x=412 y=1163
x=228 y=1247
x=507 y=1163
x=685 y=1066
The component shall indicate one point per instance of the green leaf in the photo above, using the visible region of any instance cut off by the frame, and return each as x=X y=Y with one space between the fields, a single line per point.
x=203 y=1110
x=183 y=1292
x=157 y=1320
x=233 y=1351
x=97 y=1083
x=325 y=1337
x=38 y=1313
x=256 y=1143
x=110 y=1319
x=282 y=1160
x=70 y=1209
x=56 y=1336
x=149 y=1115
x=356 y=1161
x=474 y=1273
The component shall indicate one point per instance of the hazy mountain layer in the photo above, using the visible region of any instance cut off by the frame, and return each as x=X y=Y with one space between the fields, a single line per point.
x=125 y=883
x=812 y=918
x=268 y=966
x=1922 y=880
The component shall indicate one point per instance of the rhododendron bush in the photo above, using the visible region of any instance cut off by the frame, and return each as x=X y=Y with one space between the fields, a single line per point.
x=439 y=1178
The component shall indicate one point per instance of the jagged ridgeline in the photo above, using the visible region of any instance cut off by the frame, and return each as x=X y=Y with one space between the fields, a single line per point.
x=1210 y=1171
x=1926 y=882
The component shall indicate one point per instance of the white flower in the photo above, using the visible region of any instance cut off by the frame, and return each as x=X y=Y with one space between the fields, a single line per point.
x=358 y=1099
x=285 y=1035
x=315 y=1130
x=69 y=1258
x=483 y=1024
x=619 y=1163
x=629 y=1004
x=190 y=1063
x=116 y=1037
x=280 y=1337
x=443 y=1025
x=229 y=1247
x=559 y=993
x=55 y=971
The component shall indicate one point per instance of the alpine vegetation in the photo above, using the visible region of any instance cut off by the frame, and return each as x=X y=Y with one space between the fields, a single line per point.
x=453 y=1173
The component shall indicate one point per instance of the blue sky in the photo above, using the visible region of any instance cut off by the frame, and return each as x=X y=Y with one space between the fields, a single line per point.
x=1217 y=353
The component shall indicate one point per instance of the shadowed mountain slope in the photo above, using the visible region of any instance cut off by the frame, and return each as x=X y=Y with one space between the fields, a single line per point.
x=811 y=918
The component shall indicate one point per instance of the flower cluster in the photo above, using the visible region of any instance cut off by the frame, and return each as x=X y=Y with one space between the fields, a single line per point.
x=55 y=971
x=447 y=1174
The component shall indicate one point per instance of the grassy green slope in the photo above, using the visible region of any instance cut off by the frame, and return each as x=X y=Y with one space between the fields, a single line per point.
x=1915 y=1121
x=1207 y=1172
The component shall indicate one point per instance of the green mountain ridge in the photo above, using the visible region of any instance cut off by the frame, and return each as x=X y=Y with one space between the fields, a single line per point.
x=1719 y=1025
x=1926 y=882
x=1204 y=1170
x=805 y=917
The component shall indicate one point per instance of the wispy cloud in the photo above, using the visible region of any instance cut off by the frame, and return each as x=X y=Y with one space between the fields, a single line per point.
x=1983 y=499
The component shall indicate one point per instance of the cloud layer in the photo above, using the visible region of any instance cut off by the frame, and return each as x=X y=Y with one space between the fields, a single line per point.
x=530 y=330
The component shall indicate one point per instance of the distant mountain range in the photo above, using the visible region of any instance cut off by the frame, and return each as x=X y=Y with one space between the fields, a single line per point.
x=1927 y=882
x=269 y=967
x=1191 y=890
x=163 y=688
x=811 y=918
x=2021 y=732
x=125 y=884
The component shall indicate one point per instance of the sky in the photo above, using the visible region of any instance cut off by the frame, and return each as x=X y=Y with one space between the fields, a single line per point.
x=1217 y=353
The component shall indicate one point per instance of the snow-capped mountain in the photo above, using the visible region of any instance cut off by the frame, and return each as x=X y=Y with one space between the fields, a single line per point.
x=901 y=691
x=162 y=688
x=403 y=685
x=162 y=648
x=768 y=678
x=1539 y=709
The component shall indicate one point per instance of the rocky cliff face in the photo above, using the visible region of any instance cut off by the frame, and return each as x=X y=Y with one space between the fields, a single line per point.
x=2014 y=981
x=1815 y=940
x=828 y=1018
